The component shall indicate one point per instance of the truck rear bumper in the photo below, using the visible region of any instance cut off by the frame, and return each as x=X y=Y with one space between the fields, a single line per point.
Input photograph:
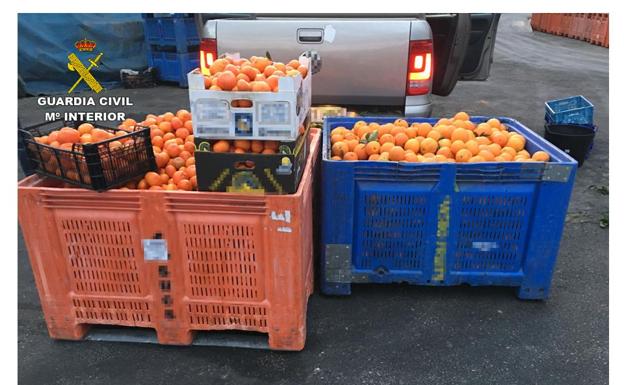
x=419 y=105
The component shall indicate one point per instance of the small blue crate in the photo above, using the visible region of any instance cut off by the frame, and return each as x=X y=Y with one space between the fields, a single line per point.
x=173 y=66
x=443 y=223
x=574 y=110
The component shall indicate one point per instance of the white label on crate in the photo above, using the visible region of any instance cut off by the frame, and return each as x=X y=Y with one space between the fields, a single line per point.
x=484 y=246
x=212 y=110
x=274 y=113
x=284 y=229
x=155 y=249
x=284 y=217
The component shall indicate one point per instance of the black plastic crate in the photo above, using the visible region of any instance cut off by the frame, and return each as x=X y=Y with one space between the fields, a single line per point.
x=95 y=165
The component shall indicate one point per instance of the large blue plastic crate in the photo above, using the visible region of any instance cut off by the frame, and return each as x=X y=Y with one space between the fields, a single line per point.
x=574 y=110
x=173 y=66
x=443 y=223
x=179 y=32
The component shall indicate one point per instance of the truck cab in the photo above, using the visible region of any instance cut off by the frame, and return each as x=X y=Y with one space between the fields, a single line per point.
x=365 y=60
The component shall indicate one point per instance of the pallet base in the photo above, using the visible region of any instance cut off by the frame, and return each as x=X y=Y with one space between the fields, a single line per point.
x=292 y=340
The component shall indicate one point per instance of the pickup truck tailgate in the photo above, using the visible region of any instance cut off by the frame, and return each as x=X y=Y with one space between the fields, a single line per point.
x=379 y=47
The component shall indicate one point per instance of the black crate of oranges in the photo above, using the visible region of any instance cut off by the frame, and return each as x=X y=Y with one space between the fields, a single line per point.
x=88 y=155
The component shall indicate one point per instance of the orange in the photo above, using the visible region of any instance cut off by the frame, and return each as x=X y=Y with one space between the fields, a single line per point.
x=350 y=156
x=242 y=144
x=336 y=158
x=386 y=138
x=152 y=179
x=189 y=146
x=350 y=135
x=182 y=133
x=157 y=150
x=445 y=151
x=397 y=154
x=176 y=123
x=457 y=145
x=524 y=153
x=177 y=162
x=250 y=71
x=462 y=116
x=499 y=138
x=510 y=151
x=472 y=146
x=516 y=142
x=435 y=135
x=400 y=139
x=221 y=146
x=164 y=178
x=272 y=144
x=428 y=145
x=68 y=135
x=470 y=125
x=494 y=123
x=86 y=138
x=482 y=140
x=239 y=150
x=458 y=123
x=401 y=123
x=226 y=80
x=260 y=86
x=185 y=155
x=483 y=129
x=494 y=148
x=424 y=129
x=165 y=126
x=486 y=155
x=412 y=144
x=385 y=129
x=168 y=136
x=351 y=143
x=339 y=149
x=257 y=146
x=173 y=150
x=411 y=132
x=541 y=156
x=261 y=63
x=463 y=155
x=183 y=115
x=386 y=147
x=156 y=188
x=397 y=130
x=335 y=138
x=185 y=184
x=476 y=159
x=372 y=148
x=360 y=151
x=446 y=131
x=373 y=157
x=460 y=134
x=193 y=180
x=162 y=159
x=411 y=157
x=384 y=156
x=190 y=161
x=506 y=156
x=98 y=135
x=170 y=170
x=85 y=128
x=268 y=70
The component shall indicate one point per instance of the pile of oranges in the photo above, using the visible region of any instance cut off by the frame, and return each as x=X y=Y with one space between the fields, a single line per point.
x=454 y=139
x=174 y=149
x=256 y=74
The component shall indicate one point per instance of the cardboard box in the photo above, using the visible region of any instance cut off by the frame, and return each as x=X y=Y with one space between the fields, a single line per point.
x=271 y=116
x=249 y=172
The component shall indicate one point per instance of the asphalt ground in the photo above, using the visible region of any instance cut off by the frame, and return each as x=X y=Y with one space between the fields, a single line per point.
x=399 y=334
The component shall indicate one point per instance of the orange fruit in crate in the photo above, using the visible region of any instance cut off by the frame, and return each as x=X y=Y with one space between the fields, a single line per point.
x=462 y=116
x=428 y=145
x=165 y=126
x=495 y=123
x=386 y=147
x=472 y=146
x=397 y=153
x=257 y=146
x=386 y=138
x=172 y=149
x=412 y=144
x=372 y=148
x=463 y=155
x=260 y=86
x=339 y=149
x=516 y=142
x=221 y=146
x=360 y=151
x=272 y=144
x=68 y=135
x=541 y=156
x=170 y=169
x=85 y=128
x=499 y=138
x=303 y=70
x=460 y=134
x=350 y=156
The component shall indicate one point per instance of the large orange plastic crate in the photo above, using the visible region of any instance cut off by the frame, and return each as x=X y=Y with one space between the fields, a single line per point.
x=236 y=262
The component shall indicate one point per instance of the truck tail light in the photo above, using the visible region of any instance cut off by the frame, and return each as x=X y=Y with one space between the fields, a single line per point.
x=207 y=54
x=419 y=67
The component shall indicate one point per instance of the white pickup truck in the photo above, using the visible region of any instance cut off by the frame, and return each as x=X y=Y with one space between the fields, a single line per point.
x=384 y=60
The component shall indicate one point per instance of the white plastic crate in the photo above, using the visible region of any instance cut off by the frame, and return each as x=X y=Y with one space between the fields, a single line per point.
x=272 y=116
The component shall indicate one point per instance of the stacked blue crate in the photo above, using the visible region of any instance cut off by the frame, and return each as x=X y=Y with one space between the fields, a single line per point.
x=173 y=45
